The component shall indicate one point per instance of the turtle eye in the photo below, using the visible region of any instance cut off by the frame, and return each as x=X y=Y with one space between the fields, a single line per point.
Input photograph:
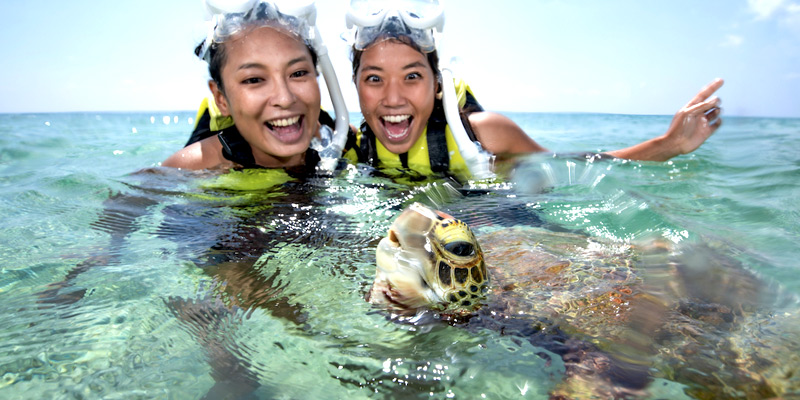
x=460 y=248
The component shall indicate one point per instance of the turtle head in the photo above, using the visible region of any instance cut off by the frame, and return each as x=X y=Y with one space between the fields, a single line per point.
x=429 y=260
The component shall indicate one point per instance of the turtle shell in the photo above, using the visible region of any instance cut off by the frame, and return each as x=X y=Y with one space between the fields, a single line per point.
x=584 y=284
x=627 y=313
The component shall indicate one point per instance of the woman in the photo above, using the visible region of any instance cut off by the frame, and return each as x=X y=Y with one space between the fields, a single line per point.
x=263 y=75
x=396 y=72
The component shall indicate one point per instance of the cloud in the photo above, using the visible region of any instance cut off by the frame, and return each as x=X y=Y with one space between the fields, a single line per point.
x=765 y=8
x=732 y=41
x=792 y=17
x=785 y=12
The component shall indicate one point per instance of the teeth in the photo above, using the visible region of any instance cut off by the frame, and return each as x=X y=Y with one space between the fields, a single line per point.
x=396 y=118
x=285 y=121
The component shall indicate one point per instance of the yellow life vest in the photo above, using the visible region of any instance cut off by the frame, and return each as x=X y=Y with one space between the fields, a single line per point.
x=217 y=121
x=418 y=158
x=248 y=180
x=211 y=122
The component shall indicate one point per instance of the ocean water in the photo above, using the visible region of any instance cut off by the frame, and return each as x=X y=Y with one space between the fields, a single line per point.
x=122 y=279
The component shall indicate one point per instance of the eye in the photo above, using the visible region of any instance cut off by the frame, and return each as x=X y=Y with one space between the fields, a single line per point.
x=299 y=74
x=413 y=76
x=252 y=81
x=372 y=79
x=463 y=249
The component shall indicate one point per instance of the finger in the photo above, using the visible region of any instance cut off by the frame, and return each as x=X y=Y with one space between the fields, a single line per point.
x=714 y=119
x=715 y=124
x=704 y=106
x=707 y=91
x=713 y=113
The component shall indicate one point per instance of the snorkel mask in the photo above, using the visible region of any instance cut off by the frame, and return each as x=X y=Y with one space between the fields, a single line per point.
x=231 y=17
x=376 y=19
x=419 y=21
x=298 y=17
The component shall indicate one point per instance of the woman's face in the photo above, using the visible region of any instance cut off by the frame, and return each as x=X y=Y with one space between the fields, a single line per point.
x=271 y=90
x=396 y=88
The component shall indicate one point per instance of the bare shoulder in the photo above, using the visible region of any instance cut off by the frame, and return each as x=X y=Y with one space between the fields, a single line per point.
x=205 y=154
x=500 y=135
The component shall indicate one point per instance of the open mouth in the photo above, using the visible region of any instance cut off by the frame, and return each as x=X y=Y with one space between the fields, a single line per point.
x=397 y=126
x=287 y=130
x=391 y=295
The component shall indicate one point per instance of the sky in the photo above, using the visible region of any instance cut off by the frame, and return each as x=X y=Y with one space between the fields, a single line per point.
x=610 y=56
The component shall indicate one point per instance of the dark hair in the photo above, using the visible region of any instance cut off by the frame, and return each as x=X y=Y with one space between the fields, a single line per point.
x=433 y=57
x=217 y=56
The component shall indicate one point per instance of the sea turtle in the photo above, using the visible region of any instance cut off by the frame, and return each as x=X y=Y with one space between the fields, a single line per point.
x=429 y=259
x=618 y=315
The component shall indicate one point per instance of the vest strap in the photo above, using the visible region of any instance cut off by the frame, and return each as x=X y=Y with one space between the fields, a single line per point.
x=235 y=148
x=404 y=160
x=437 y=140
x=369 y=152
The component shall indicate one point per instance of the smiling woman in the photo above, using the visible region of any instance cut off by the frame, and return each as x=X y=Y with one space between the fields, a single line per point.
x=272 y=94
x=405 y=81
x=404 y=94
x=266 y=98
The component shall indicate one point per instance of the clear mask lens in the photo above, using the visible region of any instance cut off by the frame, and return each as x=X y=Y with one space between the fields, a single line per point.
x=415 y=19
x=229 y=17
x=419 y=14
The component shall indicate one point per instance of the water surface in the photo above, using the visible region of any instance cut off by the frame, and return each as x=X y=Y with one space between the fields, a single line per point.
x=119 y=282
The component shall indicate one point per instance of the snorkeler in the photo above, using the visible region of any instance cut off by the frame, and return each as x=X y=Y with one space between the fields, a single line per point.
x=262 y=58
x=413 y=121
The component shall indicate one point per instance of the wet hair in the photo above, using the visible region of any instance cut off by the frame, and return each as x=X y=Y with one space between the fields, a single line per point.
x=433 y=57
x=217 y=57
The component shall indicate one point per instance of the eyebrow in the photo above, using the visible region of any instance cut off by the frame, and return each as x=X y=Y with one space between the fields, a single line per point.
x=250 y=65
x=261 y=66
x=415 y=64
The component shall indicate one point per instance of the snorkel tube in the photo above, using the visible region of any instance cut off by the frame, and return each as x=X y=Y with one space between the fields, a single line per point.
x=329 y=156
x=305 y=11
x=423 y=18
x=478 y=160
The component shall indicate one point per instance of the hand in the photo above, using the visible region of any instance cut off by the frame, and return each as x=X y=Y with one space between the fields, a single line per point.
x=696 y=121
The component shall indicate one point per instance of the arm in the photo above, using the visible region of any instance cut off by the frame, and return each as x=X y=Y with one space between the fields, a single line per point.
x=204 y=154
x=499 y=135
x=118 y=219
x=690 y=127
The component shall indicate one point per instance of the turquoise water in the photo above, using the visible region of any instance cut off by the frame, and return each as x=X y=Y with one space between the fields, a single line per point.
x=120 y=279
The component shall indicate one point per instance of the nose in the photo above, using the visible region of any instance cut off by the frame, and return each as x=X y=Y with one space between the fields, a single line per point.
x=394 y=95
x=282 y=95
